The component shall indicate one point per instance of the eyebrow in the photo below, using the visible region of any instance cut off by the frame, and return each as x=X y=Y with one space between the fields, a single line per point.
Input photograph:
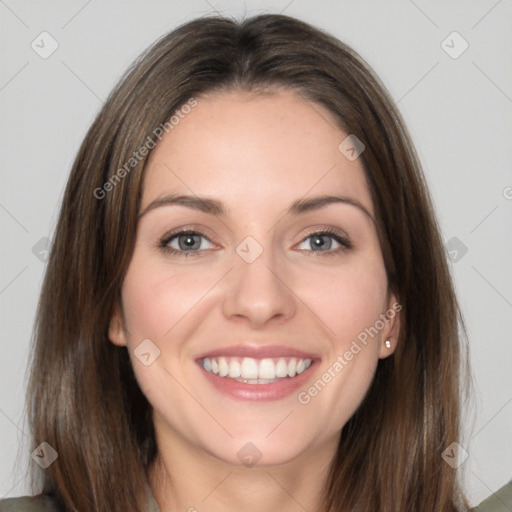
x=217 y=208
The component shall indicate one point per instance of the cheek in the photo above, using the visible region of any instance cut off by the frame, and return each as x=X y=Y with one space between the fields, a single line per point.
x=349 y=300
x=155 y=299
x=157 y=303
x=350 y=305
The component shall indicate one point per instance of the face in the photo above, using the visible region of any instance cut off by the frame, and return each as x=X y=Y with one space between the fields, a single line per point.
x=251 y=313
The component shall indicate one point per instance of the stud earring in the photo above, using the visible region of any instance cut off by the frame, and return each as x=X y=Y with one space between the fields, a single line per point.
x=388 y=344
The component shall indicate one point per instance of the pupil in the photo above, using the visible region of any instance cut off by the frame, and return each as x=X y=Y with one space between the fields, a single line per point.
x=188 y=242
x=319 y=241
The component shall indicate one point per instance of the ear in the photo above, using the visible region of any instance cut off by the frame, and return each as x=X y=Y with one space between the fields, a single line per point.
x=391 y=329
x=116 y=332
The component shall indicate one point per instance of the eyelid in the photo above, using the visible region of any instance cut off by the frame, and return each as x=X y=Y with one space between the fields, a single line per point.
x=325 y=230
x=184 y=230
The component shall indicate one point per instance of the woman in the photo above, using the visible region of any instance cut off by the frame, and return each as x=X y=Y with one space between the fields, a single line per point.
x=247 y=304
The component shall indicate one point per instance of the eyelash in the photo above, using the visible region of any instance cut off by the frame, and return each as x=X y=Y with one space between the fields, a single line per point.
x=344 y=242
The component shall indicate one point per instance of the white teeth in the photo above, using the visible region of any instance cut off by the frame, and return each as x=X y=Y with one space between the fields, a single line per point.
x=234 y=369
x=223 y=367
x=249 y=368
x=281 y=368
x=292 y=366
x=267 y=369
x=256 y=370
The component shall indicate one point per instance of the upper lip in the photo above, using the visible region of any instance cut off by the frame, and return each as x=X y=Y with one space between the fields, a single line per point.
x=257 y=351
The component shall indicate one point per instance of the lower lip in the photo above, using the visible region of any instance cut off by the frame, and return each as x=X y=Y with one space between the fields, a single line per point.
x=264 y=392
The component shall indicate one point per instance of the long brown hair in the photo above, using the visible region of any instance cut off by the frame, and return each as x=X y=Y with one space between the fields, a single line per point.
x=83 y=398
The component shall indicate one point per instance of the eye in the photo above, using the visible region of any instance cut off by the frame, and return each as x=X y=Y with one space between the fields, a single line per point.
x=185 y=243
x=326 y=242
x=191 y=243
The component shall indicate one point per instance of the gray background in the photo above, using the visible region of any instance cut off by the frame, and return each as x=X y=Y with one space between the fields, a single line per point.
x=457 y=109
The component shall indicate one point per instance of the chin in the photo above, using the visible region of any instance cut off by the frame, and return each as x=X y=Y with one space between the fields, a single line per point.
x=256 y=452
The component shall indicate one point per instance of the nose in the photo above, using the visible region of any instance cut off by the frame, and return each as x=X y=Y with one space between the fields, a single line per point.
x=258 y=292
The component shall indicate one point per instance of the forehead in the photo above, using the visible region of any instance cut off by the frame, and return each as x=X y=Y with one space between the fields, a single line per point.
x=253 y=150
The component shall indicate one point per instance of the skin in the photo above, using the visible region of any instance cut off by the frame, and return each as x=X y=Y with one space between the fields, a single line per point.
x=257 y=154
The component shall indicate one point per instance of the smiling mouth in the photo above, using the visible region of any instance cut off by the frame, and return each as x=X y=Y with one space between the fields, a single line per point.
x=249 y=370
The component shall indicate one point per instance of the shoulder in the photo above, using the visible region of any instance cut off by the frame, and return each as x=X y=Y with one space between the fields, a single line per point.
x=38 y=503
x=500 y=501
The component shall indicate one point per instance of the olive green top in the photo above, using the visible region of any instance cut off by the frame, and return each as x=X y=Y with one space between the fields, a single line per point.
x=41 y=503
x=500 y=501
